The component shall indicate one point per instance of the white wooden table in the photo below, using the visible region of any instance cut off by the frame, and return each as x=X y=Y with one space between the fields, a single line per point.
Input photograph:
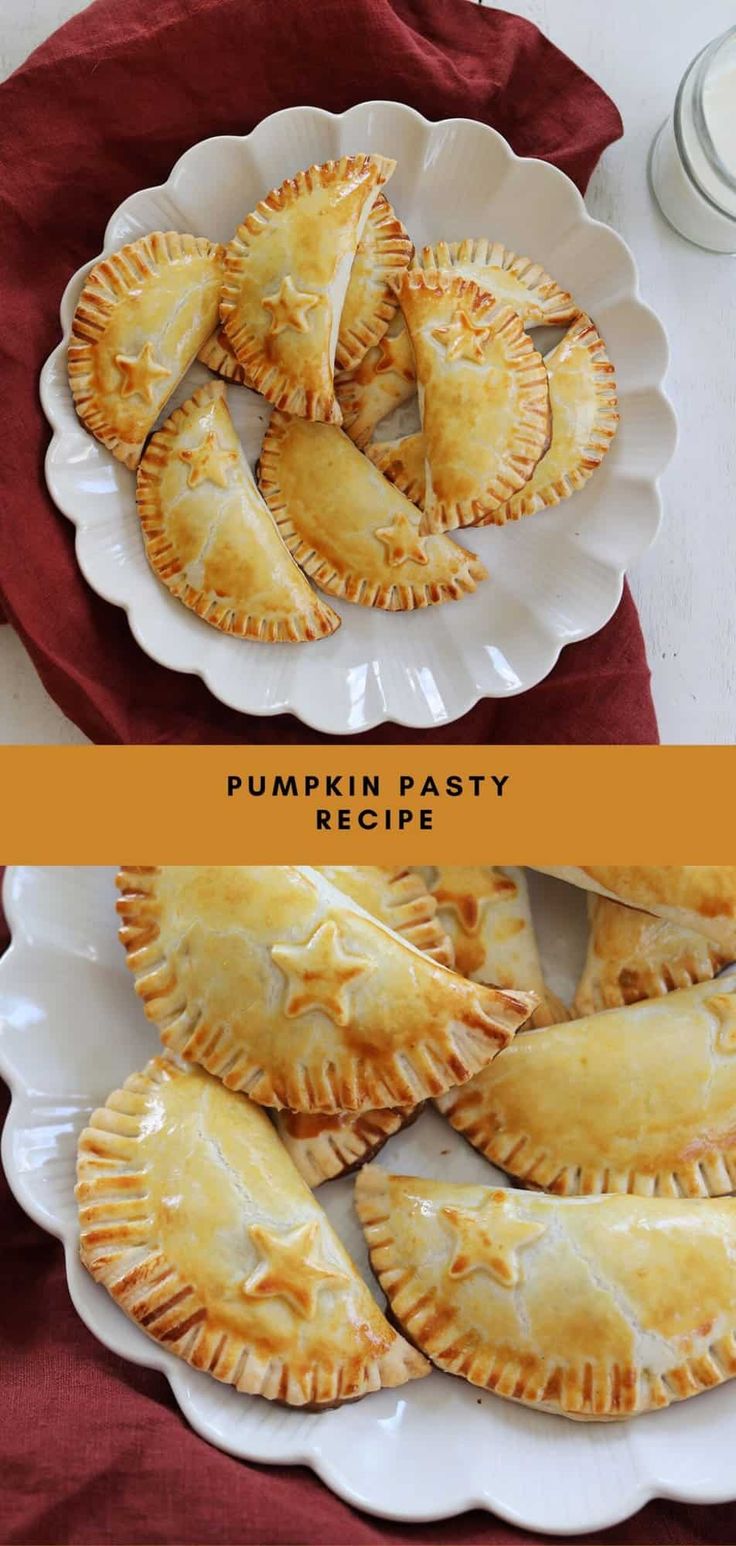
x=686 y=586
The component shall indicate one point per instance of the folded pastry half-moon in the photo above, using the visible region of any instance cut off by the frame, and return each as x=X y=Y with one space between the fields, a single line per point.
x=483 y=397
x=209 y=536
x=281 y=985
x=640 y=1099
x=633 y=955
x=487 y=915
x=349 y=529
x=594 y=1308
x=398 y=898
x=697 y=896
x=142 y=316
x=287 y=271
x=324 y=1146
x=195 y=1220
x=385 y=378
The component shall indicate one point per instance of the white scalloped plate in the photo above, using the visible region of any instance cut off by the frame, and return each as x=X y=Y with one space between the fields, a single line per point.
x=71 y=1029
x=553 y=579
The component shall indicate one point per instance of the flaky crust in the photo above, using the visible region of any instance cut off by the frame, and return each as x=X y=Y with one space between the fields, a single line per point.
x=351 y=531
x=142 y=315
x=350 y=1017
x=402 y=462
x=400 y=899
x=384 y=379
x=382 y=257
x=286 y=275
x=209 y=536
x=512 y=280
x=194 y=1219
x=597 y=1309
x=481 y=443
x=697 y=896
x=325 y=1147
x=640 y=1099
x=633 y=955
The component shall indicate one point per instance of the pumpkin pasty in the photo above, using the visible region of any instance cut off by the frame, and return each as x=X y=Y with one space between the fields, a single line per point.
x=696 y=896
x=402 y=462
x=281 y=985
x=209 y=537
x=513 y=281
x=400 y=899
x=287 y=271
x=195 y=1220
x=483 y=397
x=349 y=529
x=640 y=1099
x=594 y=1308
x=633 y=955
x=486 y=912
x=142 y=316
x=325 y=1146
x=383 y=380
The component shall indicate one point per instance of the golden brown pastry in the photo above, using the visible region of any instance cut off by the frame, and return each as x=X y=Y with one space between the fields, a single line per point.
x=287 y=271
x=402 y=462
x=696 y=896
x=275 y=981
x=351 y=531
x=143 y=314
x=400 y=899
x=209 y=536
x=196 y=1222
x=486 y=913
x=483 y=397
x=384 y=379
x=595 y=1308
x=633 y=955
x=640 y=1099
x=324 y=1146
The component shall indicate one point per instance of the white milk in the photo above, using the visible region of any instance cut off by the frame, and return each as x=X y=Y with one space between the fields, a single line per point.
x=693 y=166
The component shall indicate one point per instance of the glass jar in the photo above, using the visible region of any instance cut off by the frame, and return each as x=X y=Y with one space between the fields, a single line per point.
x=693 y=158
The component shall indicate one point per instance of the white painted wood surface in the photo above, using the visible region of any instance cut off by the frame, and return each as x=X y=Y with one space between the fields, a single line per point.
x=685 y=587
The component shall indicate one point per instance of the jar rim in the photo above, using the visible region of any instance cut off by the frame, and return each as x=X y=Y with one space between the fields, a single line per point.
x=695 y=76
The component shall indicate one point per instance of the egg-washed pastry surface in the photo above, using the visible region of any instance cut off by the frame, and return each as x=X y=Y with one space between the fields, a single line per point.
x=287 y=270
x=400 y=899
x=195 y=1220
x=594 y=1308
x=349 y=529
x=324 y=1146
x=209 y=536
x=633 y=955
x=275 y=981
x=143 y=314
x=698 y=896
x=640 y=1099
x=483 y=397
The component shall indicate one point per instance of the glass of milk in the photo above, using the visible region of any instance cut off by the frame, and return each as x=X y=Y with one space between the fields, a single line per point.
x=693 y=159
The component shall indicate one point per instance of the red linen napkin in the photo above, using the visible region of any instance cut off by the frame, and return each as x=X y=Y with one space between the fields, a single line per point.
x=105 y=107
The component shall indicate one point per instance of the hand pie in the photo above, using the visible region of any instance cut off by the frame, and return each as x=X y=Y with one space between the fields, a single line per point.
x=384 y=252
x=487 y=915
x=286 y=275
x=696 y=896
x=398 y=898
x=324 y=1146
x=596 y=1308
x=275 y=981
x=142 y=316
x=350 y=530
x=483 y=397
x=633 y=955
x=383 y=380
x=209 y=536
x=640 y=1099
x=196 y=1222
x=582 y=391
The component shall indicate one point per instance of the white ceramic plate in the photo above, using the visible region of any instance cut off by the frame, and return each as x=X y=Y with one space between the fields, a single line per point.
x=553 y=579
x=71 y=1029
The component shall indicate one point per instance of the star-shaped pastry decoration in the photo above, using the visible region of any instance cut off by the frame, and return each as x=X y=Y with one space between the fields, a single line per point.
x=289 y=307
x=291 y=1268
x=451 y=891
x=390 y=352
x=318 y=973
x=723 y=1005
x=487 y=1239
x=463 y=338
x=209 y=462
x=402 y=541
x=139 y=373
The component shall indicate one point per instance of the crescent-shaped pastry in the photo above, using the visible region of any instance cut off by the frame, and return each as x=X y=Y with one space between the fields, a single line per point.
x=383 y=380
x=142 y=316
x=287 y=271
x=324 y=1146
x=350 y=530
x=400 y=899
x=640 y=1099
x=595 y=1308
x=196 y=1222
x=483 y=397
x=402 y=462
x=696 y=896
x=209 y=537
x=281 y=985
x=633 y=955
x=487 y=914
